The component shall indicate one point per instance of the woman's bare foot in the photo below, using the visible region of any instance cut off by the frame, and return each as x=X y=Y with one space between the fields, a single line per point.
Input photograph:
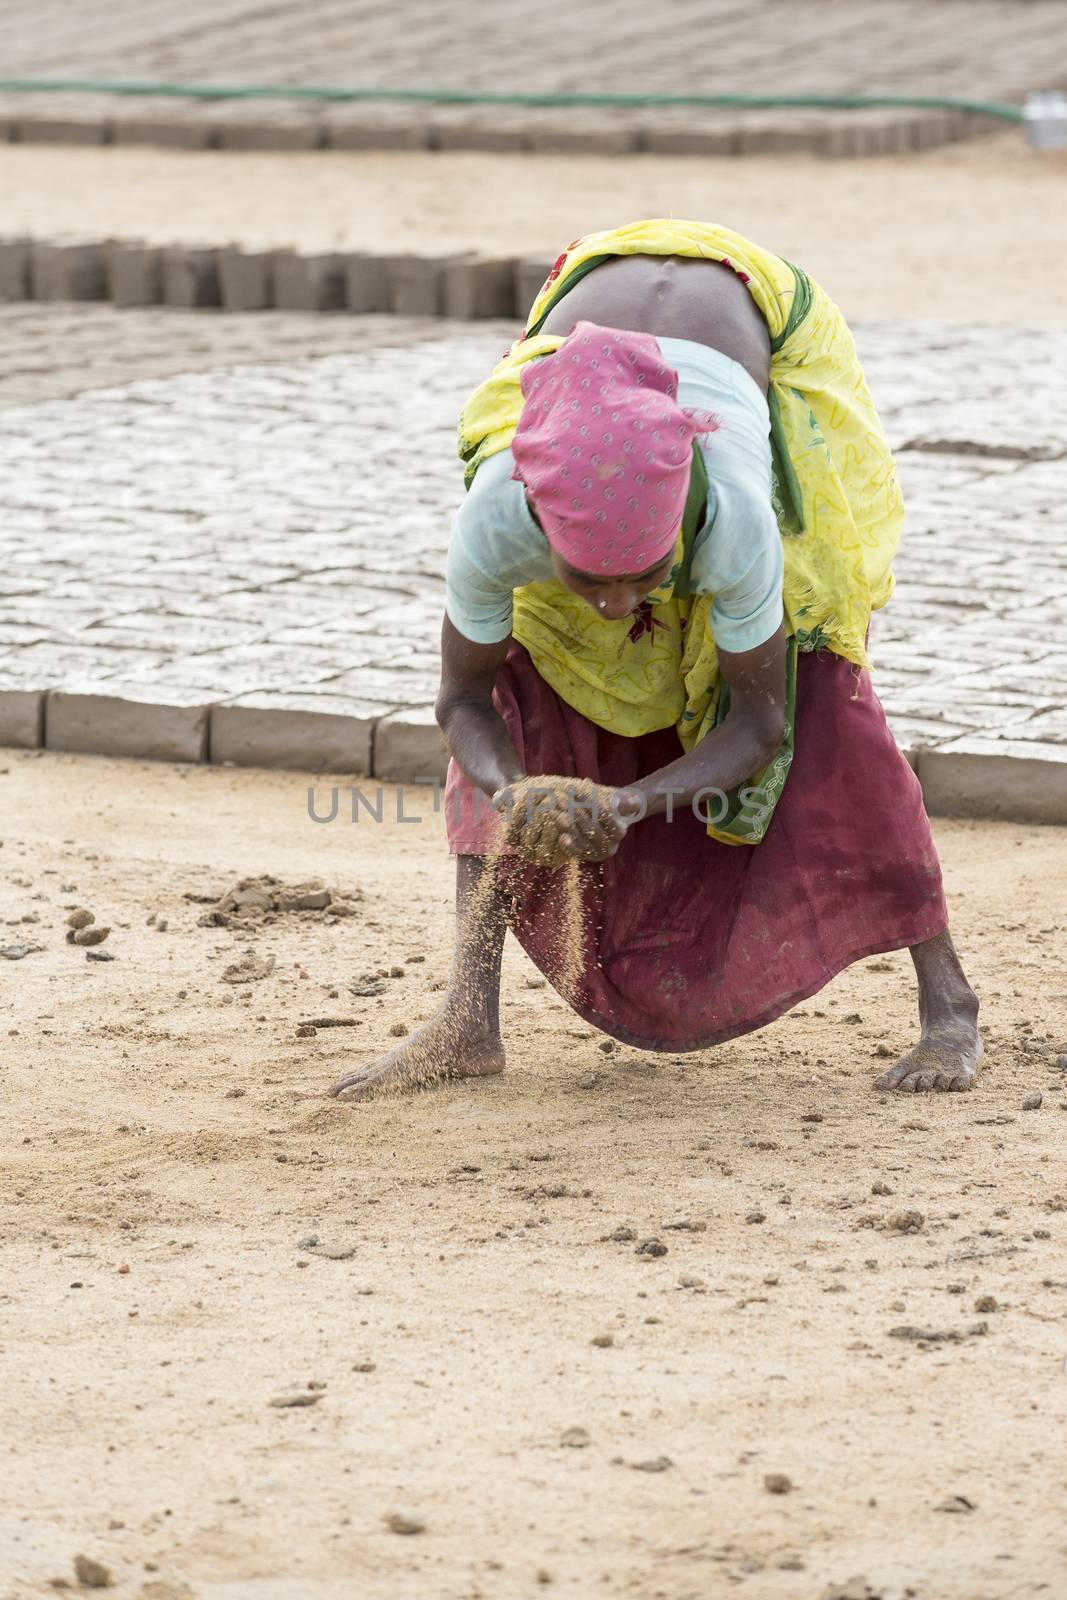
x=463 y=1039
x=944 y=1058
x=950 y=1047
x=445 y=1047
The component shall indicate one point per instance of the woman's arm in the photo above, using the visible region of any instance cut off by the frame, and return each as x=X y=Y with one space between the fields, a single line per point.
x=476 y=733
x=743 y=744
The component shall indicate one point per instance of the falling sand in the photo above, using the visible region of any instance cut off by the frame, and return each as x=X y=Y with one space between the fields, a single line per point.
x=540 y=823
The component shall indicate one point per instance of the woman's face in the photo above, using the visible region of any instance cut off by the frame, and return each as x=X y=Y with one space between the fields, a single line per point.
x=612 y=598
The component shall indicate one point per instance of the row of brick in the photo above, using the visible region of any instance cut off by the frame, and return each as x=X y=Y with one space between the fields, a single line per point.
x=233 y=279
x=278 y=730
x=833 y=134
x=971 y=776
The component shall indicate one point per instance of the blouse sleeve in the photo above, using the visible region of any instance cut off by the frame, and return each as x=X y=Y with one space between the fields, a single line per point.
x=494 y=548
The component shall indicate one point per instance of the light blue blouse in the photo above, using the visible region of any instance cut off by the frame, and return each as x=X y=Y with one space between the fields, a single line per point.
x=497 y=546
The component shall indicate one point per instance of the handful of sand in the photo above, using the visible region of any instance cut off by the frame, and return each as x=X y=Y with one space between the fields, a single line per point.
x=541 y=814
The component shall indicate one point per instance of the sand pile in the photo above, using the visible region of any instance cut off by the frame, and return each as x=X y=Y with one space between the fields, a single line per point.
x=257 y=902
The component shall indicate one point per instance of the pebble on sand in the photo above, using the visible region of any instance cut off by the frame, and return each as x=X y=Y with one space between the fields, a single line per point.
x=650 y=1248
x=296 y=1397
x=92 y=1574
x=986 y=1303
x=603 y=1341
x=1032 y=1102
x=93 y=935
x=656 y=1464
x=574 y=1438
x=777 y=1482
x=80 y=918
x=404 y=1522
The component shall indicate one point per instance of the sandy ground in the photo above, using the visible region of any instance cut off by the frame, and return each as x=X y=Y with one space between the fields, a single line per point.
x=169 y=1160
x=975 y=231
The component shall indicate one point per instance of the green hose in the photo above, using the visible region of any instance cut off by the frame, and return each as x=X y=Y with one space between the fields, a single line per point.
x=464 y=97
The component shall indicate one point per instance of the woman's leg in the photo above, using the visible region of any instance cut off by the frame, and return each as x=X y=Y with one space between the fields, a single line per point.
x=950 y=1046
x=462 y=1040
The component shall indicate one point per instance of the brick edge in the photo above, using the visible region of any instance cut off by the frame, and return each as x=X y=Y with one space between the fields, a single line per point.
x=836 y=135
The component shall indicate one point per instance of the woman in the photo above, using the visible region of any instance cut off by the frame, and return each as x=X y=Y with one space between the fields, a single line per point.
x=682 y=512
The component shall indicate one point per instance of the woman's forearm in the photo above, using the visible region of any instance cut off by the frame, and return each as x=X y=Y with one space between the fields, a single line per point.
x=740 y=747
x=480 y=743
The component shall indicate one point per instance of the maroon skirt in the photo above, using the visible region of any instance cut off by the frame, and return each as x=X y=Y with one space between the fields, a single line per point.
x=689 y=941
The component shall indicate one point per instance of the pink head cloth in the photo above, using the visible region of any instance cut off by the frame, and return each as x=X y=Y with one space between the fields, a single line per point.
x=605 y=450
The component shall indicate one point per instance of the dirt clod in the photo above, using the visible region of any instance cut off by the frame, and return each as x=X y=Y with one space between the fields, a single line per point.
x=404 y=1522
x=258 y=902
x=18 y=952
x=851 y=1589
x=249 y=969
x=777 y=1482
x=367 y=988
x=80 y=917
x=938 y=1335
x=92 y=1574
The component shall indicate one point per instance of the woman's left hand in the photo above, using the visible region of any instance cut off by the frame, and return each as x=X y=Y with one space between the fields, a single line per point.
x=596 y=834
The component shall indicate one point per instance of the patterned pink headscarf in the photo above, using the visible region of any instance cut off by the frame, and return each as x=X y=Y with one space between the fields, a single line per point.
x=604 y=449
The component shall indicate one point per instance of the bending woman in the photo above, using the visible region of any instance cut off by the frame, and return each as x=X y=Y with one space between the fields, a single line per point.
x=682 y=511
